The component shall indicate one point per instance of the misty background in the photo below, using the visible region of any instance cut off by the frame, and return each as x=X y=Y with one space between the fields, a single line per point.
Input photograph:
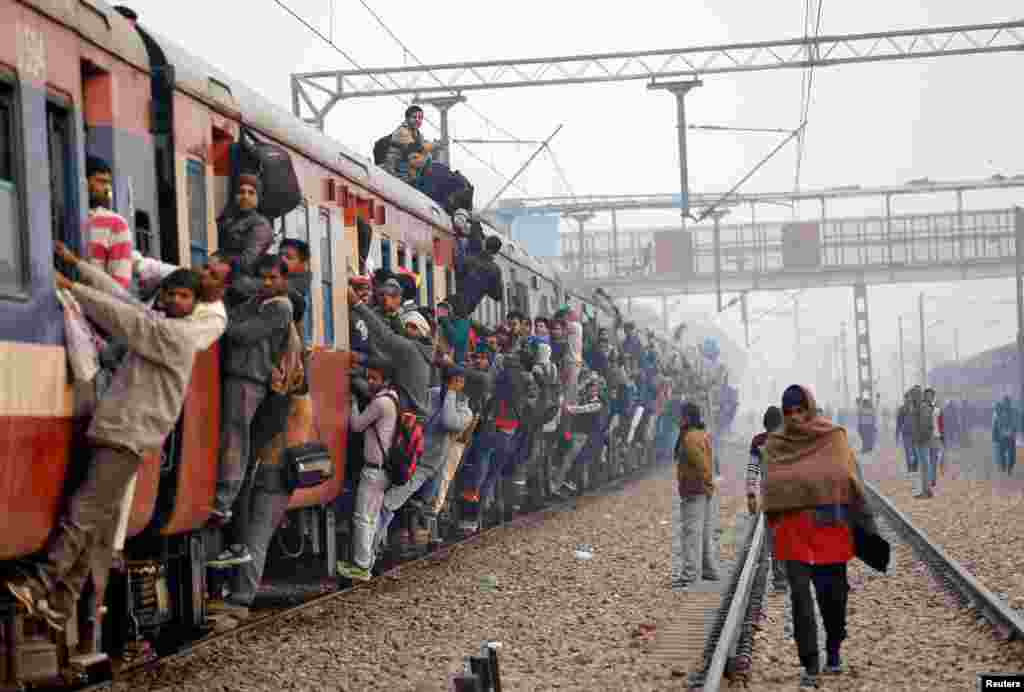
x=949 y=118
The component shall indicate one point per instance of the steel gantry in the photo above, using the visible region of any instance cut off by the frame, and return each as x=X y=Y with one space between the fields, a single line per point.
x=820 y=51
x=315 y=94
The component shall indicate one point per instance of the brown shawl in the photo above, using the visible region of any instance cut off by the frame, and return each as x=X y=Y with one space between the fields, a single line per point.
x=810 y=464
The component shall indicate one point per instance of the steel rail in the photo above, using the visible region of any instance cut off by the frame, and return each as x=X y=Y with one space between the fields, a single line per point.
x=1007 y=622
x=739 y=603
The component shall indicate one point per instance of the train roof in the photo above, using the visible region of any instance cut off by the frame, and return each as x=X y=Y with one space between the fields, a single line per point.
x=202 y=80
x=209 y=84
x=99 y=23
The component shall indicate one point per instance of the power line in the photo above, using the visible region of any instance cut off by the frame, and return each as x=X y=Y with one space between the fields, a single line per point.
x=561 y=173
x=316 y=32
x=806 y=89
x=408 y=51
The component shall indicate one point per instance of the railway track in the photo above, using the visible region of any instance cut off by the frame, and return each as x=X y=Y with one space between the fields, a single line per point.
x=727 y=654
x=279 y=615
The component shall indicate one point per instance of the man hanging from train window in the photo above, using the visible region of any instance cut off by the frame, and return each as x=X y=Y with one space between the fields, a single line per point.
x=244 y=235
x=141 y=408
x=412 y=379
x=449 y=414
x=206 y=323
x=108 y=239
x=258 y=332
x=284 y=418
x=477 y=274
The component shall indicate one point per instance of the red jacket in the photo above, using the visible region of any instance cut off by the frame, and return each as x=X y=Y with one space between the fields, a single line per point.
x=799 y=537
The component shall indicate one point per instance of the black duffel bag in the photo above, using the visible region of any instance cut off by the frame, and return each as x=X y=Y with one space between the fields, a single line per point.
x=307 y=466
x=272 y=163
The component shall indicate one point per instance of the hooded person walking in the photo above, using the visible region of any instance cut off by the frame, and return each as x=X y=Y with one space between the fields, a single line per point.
x=813 y=495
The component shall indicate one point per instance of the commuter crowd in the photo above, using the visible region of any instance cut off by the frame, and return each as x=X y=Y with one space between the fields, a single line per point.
x=448 y=417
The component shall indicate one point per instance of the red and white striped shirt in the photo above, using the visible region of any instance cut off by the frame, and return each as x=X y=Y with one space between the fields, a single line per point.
x=110 y=244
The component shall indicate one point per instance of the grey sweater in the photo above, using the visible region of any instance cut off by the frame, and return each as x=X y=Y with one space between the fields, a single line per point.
x=146 y=395
x=411 y=359
x=446 y=417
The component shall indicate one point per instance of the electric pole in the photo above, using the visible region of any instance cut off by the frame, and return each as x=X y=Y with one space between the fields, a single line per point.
x=903 y=367
x=924 y=362
x=846 y=367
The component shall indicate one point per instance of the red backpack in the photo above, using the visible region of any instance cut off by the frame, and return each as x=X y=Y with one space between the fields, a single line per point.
x=407 y=443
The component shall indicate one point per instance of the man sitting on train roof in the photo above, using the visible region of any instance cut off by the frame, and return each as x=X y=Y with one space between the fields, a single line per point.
x=258 y=332
x=244 y=235
x=407 y=147
x=141 y=408
x=108 y=239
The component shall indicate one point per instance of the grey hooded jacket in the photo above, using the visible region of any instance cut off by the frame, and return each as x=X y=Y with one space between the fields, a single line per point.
x=411 y=359
x=447 y=417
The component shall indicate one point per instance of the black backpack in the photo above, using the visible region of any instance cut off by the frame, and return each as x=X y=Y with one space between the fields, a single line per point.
x=380 y=150
x=272 y=163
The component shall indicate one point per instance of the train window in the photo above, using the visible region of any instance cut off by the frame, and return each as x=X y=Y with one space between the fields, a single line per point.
x=327 y=275
x=12 y=268
x=431 y=298
x=385 y=254
x=195 y=188
x=522 y=302
x=416 y=270
x=297 y=225
x=145 y=239
x=59 y=143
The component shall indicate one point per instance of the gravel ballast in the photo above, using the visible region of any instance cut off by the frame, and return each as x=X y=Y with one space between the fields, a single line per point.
x=905 y=632
x=564 y=623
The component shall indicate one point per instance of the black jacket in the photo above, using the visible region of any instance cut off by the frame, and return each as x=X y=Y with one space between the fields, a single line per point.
x=243 y=238
x=256 y=338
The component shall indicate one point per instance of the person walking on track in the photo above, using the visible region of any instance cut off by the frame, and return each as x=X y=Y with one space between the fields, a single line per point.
x=813 y=493
x=772 y=423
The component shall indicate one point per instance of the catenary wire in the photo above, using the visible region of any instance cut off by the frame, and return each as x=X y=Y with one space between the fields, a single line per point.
x=319 y=34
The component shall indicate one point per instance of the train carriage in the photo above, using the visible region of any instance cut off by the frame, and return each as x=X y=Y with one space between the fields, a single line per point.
x=84 y=78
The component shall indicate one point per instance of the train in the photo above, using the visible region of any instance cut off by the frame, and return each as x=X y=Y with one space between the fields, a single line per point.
x=86 y=78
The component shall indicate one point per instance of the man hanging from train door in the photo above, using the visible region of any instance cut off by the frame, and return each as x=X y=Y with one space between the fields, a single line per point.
x=134 y=418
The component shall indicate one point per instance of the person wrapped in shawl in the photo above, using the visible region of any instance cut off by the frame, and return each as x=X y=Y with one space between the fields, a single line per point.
x=813 y=495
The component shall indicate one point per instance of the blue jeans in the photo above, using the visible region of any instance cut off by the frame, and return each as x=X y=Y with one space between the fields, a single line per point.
x=504 y=458
x=373 y=484
x=1005 y=453
x=908 y=451
x=925 y=468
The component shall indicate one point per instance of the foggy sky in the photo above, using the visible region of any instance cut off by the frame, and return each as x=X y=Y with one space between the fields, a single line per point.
x=876 y=124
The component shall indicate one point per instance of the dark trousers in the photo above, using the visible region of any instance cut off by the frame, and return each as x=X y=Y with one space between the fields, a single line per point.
x=84 y=541
x=832 y=590
x=241 y=401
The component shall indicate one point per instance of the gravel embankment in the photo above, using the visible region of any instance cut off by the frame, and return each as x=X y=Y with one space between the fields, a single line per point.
x=905 y=632
x=564 y=623
x=977 y=521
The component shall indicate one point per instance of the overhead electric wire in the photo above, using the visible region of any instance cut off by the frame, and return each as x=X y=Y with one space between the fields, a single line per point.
x=806 y=89
x=319 y=34
x=408 y=51
x=561 y=173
